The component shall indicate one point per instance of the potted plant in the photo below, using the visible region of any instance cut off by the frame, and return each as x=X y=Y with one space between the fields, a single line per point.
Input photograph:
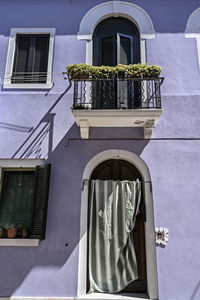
x=135 y=71
x=151 y=71
x=121 y=71
x=11 y=230
x=84 y=71
x=25 y=230
x=80 y=106
x=102 y=72
x=78 y=71
x=1 y=232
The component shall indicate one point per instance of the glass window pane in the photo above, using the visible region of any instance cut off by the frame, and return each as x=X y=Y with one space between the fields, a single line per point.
x=125 y=51
x=17 y=197
x=21 y=58
x=107 y=51
x=31 y=58
x=41 y=58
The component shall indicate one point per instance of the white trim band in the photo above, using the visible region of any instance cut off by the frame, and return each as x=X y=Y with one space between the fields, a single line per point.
x=193 y=29
x=116 y=9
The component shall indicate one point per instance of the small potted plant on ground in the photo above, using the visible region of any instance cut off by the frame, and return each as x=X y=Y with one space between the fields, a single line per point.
x=1 y=232
x=11 y=230
x=80 y=106
x=25 y=232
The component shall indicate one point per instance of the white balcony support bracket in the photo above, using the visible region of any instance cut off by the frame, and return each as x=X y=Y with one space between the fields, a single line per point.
x=84 y=129
x=146 y=118
x=148 y=129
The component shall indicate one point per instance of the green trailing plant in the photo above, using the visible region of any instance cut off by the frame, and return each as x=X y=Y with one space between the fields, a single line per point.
x=153 y=71
x=84 y=71
x=78 y=70
x=102 y=72
x=135 y=71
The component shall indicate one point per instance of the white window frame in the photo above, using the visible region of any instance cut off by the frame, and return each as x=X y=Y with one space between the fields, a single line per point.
x=19 y=163
x=193 y=29
x=11 y=54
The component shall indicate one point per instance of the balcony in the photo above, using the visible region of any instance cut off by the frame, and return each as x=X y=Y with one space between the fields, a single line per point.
x=117 y=102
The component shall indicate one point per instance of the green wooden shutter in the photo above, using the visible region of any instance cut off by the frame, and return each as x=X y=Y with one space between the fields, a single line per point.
x=40 y=201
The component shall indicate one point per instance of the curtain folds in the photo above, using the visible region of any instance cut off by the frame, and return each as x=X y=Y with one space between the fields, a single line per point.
x=113 y=208
x=17 y=197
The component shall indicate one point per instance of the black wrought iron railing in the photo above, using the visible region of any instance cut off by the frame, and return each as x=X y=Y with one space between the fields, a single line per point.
x=117 y=93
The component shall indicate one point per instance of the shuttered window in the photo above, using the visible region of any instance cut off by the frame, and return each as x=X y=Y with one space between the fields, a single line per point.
x=23 y=200
x=31 y=58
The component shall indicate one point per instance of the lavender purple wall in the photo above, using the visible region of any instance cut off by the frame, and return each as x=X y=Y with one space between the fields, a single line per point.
x=172 y=155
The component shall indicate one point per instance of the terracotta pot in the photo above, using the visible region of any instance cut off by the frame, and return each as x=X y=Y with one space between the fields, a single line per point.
x=79 y=77
x=24 y=233
x=12 y=233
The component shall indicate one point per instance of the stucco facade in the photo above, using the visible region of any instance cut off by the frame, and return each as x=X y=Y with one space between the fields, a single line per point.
x=171 y=155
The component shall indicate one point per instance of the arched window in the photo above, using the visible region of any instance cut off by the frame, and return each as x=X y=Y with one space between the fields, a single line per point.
x=116 y=41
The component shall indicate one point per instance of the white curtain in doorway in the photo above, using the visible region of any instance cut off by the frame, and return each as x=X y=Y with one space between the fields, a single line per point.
x=113 y=207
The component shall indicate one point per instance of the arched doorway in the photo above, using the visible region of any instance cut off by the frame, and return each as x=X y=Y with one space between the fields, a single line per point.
x=150 y=252
x=122 y=170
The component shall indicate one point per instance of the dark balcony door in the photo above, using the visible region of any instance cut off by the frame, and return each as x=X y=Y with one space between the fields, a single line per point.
x=122 y=170
x=115 y=41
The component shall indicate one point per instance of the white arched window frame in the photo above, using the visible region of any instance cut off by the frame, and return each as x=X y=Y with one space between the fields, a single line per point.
x=193 y=29
x=116 y=9
x=152 y=285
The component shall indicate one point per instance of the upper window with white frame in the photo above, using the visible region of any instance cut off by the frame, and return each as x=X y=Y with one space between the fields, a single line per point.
x=30 y=58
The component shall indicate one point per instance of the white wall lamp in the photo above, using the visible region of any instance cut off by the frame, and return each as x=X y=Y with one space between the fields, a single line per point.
x=161 y=236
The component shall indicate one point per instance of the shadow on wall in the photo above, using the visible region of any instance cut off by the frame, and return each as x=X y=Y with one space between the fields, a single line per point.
x=52 y=268
x=43 y=132
x=15 y=127
x=196 y=292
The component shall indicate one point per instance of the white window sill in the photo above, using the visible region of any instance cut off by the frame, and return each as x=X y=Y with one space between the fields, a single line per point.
x=30 y=86
x=104 y=296
x=19 y=242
